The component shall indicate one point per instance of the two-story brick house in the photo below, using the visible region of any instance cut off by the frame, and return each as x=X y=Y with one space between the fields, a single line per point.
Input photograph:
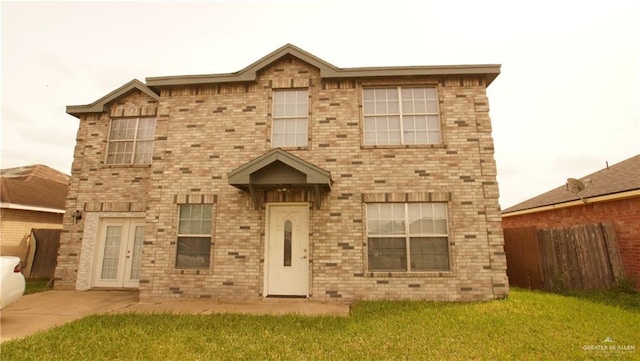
x=291 y=177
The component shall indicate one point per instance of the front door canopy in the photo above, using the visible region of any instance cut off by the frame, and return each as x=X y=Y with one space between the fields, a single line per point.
x=279 y=169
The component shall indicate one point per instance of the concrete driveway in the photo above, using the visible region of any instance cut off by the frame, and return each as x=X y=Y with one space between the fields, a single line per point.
x=42 y=311
x=45 y=310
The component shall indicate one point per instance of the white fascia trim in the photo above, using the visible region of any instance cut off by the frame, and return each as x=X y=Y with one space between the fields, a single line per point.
x=31 y=208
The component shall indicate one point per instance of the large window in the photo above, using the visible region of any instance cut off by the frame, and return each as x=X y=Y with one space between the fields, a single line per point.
x=290 y=118
x=194 y=236
x=407 y=237
x=131 y=141
x=401 y=115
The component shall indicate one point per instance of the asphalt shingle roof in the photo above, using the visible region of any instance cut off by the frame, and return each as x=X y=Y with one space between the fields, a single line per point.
x=620 y=177
x=34 y=185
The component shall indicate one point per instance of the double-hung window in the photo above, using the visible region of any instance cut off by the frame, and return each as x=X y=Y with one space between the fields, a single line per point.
x=194 y=236
x=290 y=118
x=407 y=237
x=401 y=115
x=131 y=141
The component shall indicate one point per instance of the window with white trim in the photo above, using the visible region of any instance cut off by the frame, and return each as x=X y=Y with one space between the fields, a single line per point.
x=194 y=236
x=290 y=118
x=131 y=141
x=401 y=115
x=407 y=237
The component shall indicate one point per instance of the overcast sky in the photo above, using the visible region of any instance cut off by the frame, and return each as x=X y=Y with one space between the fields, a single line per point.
x=566 y=102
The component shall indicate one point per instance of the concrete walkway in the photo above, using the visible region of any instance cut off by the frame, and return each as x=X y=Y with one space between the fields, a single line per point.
x=42 y=311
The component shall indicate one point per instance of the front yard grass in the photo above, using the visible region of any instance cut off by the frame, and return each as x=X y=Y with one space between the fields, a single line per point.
x=525 y=326
x=35 y=285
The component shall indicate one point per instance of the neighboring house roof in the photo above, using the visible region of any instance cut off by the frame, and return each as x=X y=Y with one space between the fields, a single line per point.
x=616 y=181
x=100 y=105
x=34 y=187
x=489 y=71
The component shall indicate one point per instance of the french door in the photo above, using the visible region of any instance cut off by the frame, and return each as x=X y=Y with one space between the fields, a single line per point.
x=119 y=253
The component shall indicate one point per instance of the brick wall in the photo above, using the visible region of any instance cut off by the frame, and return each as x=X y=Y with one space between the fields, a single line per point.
x=203 y=132
x=96 y=187
x=623 y=214
x=16 y=229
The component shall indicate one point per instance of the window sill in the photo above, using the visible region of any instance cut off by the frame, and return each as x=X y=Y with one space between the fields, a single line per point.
x=400 y=274
x=192 y=271
x=306 y=147
x=109 y=166
x=405 y=146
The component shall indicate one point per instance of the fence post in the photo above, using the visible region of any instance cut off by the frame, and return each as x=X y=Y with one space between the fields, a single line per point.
x=613 y=253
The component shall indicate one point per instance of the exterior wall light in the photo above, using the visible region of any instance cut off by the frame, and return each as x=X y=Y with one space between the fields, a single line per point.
x=77 y=216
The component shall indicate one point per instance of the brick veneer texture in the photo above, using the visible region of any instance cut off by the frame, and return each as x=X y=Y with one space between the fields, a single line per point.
x=16 y=229
x=205 y=131
x=623 y=214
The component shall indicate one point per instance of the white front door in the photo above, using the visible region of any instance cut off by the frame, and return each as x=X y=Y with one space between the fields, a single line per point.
x=119 y=253
x=287 y=250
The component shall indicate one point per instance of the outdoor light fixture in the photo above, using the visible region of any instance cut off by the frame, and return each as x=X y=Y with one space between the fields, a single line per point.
x=76 y=216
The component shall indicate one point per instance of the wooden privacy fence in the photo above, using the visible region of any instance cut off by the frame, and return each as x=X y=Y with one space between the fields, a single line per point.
x=46 y=242
x=572 y=258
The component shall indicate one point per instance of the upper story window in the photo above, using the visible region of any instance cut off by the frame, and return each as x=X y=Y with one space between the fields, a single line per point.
x=290 y=118
x=131 y=141
x=407 y=237
x=401 y=115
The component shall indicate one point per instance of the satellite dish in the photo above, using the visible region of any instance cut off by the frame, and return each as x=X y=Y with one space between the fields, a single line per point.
x=576 y=186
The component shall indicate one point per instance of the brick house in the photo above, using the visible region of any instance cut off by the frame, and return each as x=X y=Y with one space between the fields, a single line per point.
x=290 y=177
x=612 y=195
x=31 y=197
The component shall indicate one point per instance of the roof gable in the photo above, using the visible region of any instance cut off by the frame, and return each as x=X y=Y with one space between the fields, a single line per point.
x=100 y=105
x=619 y=178
x=279 y=169
x=292 y=50
x=282 y=168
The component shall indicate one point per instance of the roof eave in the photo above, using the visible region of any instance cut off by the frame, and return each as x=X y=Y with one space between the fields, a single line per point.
x=327 y=70
x=100 y=105
x=27 y=207
x=163 y=81
x=589 y=200
x=489 y=72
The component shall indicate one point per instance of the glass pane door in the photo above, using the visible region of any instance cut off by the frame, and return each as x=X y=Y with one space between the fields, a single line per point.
x=136 y=256
x=111 y=258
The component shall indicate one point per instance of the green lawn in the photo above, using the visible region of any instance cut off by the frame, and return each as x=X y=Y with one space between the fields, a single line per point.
x=525 y=326
x=35 y=285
